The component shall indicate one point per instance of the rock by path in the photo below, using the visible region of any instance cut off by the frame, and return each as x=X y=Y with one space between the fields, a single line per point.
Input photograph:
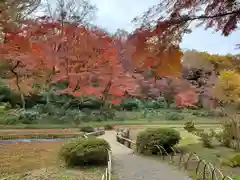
x=129 y=166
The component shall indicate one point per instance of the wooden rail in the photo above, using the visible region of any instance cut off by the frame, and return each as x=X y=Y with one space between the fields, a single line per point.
x=95 y=133
x=108 y=172
x=203 y=170
x=125 y=141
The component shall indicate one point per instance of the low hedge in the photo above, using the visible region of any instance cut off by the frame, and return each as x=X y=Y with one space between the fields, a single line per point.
x=148 y=139
x=173 y=116
x=108 y=127
x=82 y=152
x=87 y=129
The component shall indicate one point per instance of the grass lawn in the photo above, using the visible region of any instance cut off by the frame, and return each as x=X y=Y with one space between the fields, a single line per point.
x=126 y=123
x=187 y=138
x=215 y=156
x=128 y=119
x=40 y=161
x=43 y=131
x=38 y=133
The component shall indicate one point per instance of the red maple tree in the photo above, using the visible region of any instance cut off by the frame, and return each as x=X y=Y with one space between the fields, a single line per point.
x=87 y=58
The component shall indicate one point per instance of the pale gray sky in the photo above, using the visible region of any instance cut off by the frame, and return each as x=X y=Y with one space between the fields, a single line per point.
x=114 y=14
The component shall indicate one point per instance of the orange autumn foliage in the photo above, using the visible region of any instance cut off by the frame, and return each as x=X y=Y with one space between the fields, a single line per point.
x=93 y=57
x=48 y=53
x=89 y=59
x=151 y=53
x=22 y=70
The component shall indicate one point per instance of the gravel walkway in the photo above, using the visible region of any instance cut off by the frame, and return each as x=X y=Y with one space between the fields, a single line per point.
x=128 y=166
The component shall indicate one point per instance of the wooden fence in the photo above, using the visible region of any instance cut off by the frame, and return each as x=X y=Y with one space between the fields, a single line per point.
x=95 y=133
x=203 y=170
x=108 y=171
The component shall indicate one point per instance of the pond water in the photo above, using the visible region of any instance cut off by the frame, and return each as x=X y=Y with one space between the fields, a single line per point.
x=34 y=140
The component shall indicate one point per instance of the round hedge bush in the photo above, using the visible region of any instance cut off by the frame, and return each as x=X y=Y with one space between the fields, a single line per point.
x=189 y=126
x=87 y=129
x=82 y=152
x=108 y=127
x=148 y=139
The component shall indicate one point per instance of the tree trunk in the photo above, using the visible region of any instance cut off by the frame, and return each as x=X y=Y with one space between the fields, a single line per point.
x=47 y=99
x=105 y=94
x=23 y=101
x=48 y=91
x=21 y=94
x=105 y=103
x=18 y=86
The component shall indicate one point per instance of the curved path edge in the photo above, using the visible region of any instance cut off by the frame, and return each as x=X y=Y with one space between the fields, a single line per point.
x=129 y=166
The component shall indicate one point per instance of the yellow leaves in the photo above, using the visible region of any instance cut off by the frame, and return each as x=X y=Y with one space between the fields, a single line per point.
x=196 y=59
x=228 y=75
x=227 y=87
x=222 y=62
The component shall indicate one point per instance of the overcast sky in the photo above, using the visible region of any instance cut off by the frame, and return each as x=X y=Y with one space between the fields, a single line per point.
x=114 y=14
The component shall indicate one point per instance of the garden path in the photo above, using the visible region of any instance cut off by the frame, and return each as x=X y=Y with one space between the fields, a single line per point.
x=129 y=166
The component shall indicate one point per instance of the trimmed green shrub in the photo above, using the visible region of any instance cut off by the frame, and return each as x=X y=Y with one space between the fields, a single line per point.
x=173 y=106
x=189 y=126
x=207 y=140
x=204 y=113
x=10 y=120
x=107 y=114
x=198 y=132
x=102 y=115
x=212 y=133
x=87 y=111
x=6 y=105
x=91 y=103
x=108 y=127
x=154 y=104
x=148 y=139
x=81 y=152
x=24 y=117
x=50 y=109
x=161 y=102
x=224 y=138
x=173 y=116
x=87 y=129
x=27 y=117
x=130 y=104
